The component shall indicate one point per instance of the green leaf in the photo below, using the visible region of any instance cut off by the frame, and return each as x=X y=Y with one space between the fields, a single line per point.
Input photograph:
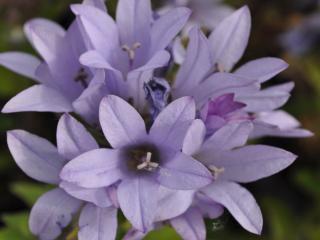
x=29 y=192
x=16 y=225
x=163 y=233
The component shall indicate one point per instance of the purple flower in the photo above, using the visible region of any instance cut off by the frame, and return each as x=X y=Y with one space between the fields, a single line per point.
x=135 y=43
x=203 y=73
x=232 y=163
x=141 y=161
x=54 y=210
x=61 y=77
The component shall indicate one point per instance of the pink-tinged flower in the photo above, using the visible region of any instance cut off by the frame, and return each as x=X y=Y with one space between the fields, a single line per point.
x=141 y=161
x=203 y=74
x=54 y=210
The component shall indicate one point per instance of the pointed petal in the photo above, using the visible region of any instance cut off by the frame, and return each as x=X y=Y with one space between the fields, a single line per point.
x=134 y=19
x=96 y=3
x=45 y=36
x=190 y=225
x=230 y=38
x=37 y=157
x=230 y=136
x=21 y=63
x=97 y=196
x=38 y=98
x=171 y=125
x=167 y=27
x=194 y=138
x=98 y=26
x=72 y=138
x=251 y=163
x=264 y=100
x=172 y=203
x=262 y=69
x=102 y=171
x=52 y=212
x=98 y=223
x=120 y=122
x=184 y=173
x=158 y=60
x=239 y=202
x=138 y=201
x=197 y=64
x=262 y=129
x=219 y=84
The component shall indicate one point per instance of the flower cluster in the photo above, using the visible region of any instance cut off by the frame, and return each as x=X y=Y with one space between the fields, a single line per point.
x=173 y=151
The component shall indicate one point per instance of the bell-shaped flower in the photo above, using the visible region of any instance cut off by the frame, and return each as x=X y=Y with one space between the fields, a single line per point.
x=140 y=161
x=54 y=210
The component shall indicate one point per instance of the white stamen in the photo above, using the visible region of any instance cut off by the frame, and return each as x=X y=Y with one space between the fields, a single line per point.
x=147 y=164
x=131 y=50
x=220 y=68
x=216 y=171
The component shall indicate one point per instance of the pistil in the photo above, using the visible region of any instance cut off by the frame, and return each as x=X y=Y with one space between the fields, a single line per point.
x=216 y=172
x=131 y=51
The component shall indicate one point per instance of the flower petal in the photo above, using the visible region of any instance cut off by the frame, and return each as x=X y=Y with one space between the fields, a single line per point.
x=98 y=26
x=190 y=225
x=251 y=163
x=72 y=138
x=228 y=137
x=219 y=84
x=52 y=212
x=194 y=138
x=102 y=171
x=134 y=19
x=98 y=223
x=197 y=64
x=167 y=27
x=171 y=125
x=138 y=201
x=184 y=173
x=21 y=63
x=262 y=69
x=239 y=202
x=98 y=196
x=38 y=98
x=172 y=203
x=120 y=122
x=37 y=157
x=45 y=36
x=230 y=38
x=96 y=3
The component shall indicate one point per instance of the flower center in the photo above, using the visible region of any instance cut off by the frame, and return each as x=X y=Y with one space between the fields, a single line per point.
x=131 y=50
x=216 y=171
x=143 y=158
x=82 y=77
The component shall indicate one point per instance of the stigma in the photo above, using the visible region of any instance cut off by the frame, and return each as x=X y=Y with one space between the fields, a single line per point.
x=216 y=171
x=147 y=164
x=131 y=50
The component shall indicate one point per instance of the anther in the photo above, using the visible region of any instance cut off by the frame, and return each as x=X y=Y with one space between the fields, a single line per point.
x=147 y=164
x=216 y=171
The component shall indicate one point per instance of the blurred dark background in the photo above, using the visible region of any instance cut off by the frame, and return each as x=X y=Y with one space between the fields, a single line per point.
x=290 y=201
